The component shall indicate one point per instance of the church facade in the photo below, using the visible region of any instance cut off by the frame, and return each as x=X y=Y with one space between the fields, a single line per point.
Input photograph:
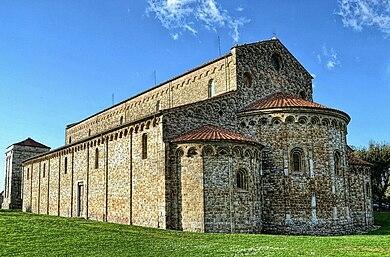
x=236 y=145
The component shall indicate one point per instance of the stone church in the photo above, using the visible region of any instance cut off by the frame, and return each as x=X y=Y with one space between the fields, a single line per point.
x=235 y=145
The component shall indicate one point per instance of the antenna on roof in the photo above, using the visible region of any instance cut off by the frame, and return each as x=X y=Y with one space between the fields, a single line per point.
x=112 y=98
x=219 y=45
x=155 y=77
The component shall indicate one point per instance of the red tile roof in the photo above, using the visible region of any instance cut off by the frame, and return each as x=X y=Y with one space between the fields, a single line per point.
x=32 y=143
x=354 y=160
x=280 y=100
x=212 y=133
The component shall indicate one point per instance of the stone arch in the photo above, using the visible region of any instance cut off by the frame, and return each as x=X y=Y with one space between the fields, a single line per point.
x=315 y=120
x=297 y=159
x=179 y=152
x=276 y=121
x=263 y=121
x=248 y=153
x=208 y=150
x=192 y=151
x=290 y=119
x=223 y=150
x=302 y=120
x=325 y=122
x=237 y=151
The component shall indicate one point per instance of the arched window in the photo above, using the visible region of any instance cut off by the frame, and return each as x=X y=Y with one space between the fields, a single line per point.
x=337 y=163
x=144 y=146
x=276 y=61
x=66 y=165
x=302 y=94
x=44 y=170
x=247 y=79
x=121 y=120
x=89 y=132
x=211 y=88
x=296 y=158
x=96 y=158
x=240 y=179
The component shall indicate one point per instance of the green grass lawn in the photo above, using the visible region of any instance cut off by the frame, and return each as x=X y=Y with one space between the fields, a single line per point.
x=24 y=234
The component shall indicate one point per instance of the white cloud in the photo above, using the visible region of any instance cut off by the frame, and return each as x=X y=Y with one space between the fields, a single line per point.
x=240 y=9
x=329 y=58
x=188 y=15
x=358 y=14
x=175 y=36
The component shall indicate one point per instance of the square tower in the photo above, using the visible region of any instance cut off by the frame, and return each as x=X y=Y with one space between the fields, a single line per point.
x=14 y=156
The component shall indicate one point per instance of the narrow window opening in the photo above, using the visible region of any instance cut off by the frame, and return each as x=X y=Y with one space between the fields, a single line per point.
x=121 y=120
x=158 y=106
x=302 y=94
x=44 y=170
x=276 y=61
x=89 y=132
x=296 y=159
x=66 y=165
x=70 y=140
x=144 y=146
x=247 y=79
x=96 y=158
x=240 y=180
x=211 y=88
x=337 y=163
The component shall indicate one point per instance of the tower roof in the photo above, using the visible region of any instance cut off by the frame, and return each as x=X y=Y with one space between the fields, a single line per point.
x=31 y=142
x=212 y=133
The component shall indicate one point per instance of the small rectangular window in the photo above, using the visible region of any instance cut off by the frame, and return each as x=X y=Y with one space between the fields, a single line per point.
x=44 y=170
x=144 y=146
x=66 y=165
x=96 y=158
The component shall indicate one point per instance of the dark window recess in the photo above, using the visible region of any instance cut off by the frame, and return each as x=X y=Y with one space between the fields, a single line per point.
x=144 y=146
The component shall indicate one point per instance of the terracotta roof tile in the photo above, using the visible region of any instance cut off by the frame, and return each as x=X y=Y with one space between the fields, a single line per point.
x=32 y=143
x=354 y=160
x=212 y=133
x=280 y=100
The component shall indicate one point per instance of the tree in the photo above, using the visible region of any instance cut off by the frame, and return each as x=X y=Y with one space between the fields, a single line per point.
x=378 y=154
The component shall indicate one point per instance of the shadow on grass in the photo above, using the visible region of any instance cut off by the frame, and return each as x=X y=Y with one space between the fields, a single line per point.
x=381 y=219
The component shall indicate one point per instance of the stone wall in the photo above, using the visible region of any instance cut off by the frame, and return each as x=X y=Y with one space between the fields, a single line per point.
x=187 y=88
x=209 y=199
x=15 y=155
x=259 y=75
x=315 y=199
x=116 y=184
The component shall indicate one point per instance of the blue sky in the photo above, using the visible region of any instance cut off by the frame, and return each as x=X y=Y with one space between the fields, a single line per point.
x=61 y=61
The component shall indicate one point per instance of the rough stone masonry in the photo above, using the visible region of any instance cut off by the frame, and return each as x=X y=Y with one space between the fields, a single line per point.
x=234 y=145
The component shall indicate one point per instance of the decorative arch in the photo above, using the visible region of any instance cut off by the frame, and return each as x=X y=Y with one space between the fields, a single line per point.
x=208 y=150
x=192 y=151
x=290 y=119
